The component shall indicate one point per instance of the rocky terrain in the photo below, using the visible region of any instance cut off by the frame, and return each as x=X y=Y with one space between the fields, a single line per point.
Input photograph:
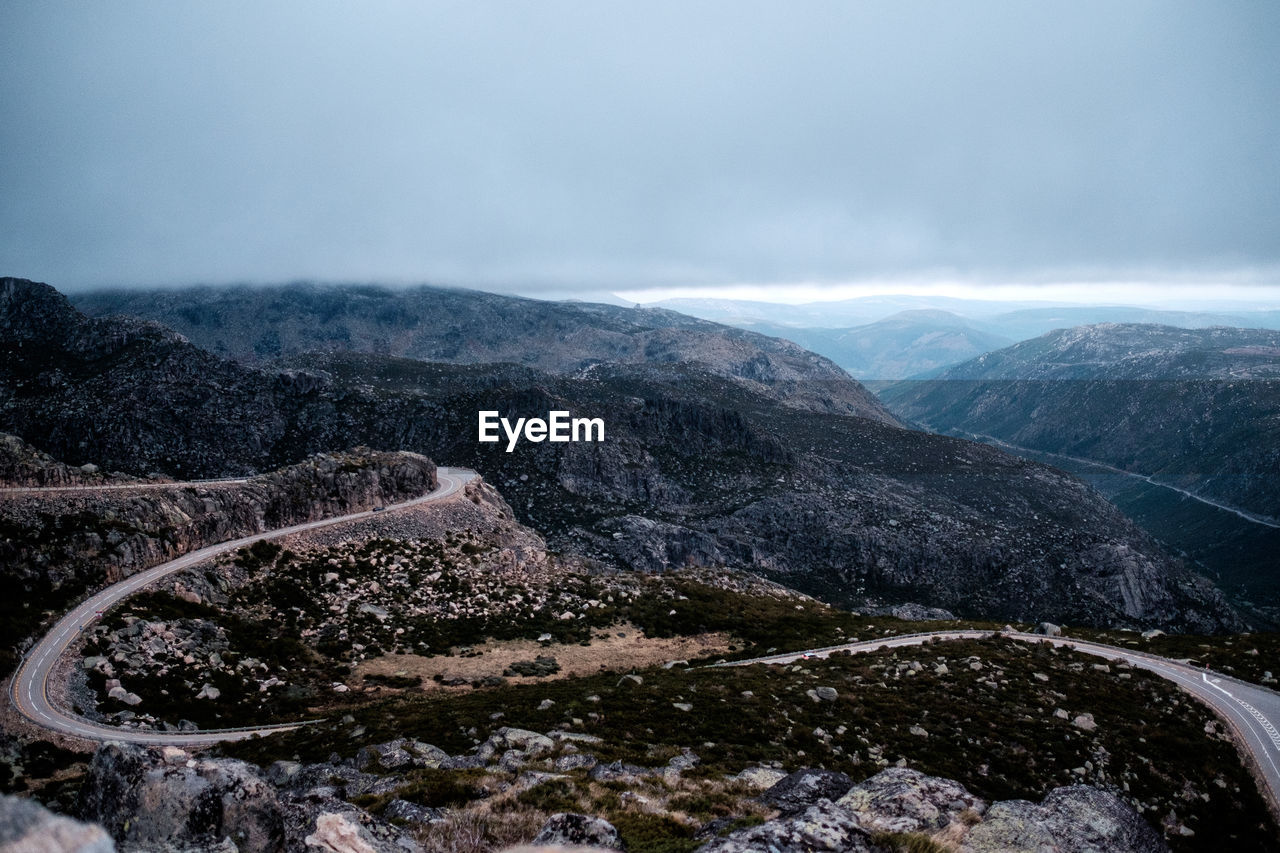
x=23 y=466
x=1195 y=408
x=470 y=327
x=166 y=800
x=57 y=546
x=697 y=469
x=975 y=746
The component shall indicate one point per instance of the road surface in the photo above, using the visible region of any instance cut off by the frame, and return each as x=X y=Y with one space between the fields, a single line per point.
x=1146 y=478
x=1249 y=708
x=107 y=487
x=29 y=687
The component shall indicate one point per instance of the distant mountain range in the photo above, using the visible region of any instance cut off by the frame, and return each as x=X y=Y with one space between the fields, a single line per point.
x=903 y=337
x=769 y=471
x=1196 y=408
x=903 y=345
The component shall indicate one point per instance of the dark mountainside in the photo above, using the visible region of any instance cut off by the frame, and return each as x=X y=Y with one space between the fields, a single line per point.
x=696 y=469
x=1195 y=408
x=252 y=325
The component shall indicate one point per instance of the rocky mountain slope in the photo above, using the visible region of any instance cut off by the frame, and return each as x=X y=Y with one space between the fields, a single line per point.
x=1195 y=408
x=696 y=469
x=469 y=327
x=57 y=546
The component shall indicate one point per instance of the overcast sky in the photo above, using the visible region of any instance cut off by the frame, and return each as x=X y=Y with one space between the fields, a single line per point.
x=546 y=147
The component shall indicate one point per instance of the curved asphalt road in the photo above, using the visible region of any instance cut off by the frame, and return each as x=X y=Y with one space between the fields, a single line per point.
x=29 y=687
x=1248 y=708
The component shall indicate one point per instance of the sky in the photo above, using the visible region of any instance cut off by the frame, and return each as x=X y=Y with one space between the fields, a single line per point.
x=558 y=148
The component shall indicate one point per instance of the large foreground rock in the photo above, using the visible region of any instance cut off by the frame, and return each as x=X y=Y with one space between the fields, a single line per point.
x=154 y=797
x=28 y=827
x=1075 y=819
x=167 y=799
x=903 y=800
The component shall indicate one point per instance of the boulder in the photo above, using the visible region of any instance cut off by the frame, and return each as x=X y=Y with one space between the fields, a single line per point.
x=1074 y=819
x=820 y=827
x=803 y=788
x=27 y=825
x=579 y=830
x=385 y=756
x=410 y=812
x=1049 y=629
x=900 y=799
x=141 y=799
x=760 y=778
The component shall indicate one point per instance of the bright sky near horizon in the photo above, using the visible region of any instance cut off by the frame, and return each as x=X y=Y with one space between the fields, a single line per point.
x=1075 y=150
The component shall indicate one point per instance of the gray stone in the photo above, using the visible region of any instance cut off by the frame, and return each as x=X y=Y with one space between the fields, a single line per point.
x=581 y=760
x=1074 y=819
x=1085 y=722
x=25 y=825
x=760 y=778
x=823 y=827
x=796 y=792
x=141 y=799
x=410 y=812
x=900 y=799
x=579 y=830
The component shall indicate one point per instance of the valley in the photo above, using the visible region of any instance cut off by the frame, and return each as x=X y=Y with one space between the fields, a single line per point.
x=486 y=644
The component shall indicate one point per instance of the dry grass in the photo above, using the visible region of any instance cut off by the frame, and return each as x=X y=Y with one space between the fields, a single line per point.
x=607 y=652
x=480 y=829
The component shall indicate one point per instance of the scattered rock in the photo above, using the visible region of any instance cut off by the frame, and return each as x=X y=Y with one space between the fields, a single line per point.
x=539 y=667
x=410 y=812
x=1084 y=721
x=797 y=791
x=577 y=830
x=761 y=778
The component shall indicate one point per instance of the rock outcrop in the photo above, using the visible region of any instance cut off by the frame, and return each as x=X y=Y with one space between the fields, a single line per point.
x=579 y=830
x=28 y=827
x=904 y=802
x=167 y=799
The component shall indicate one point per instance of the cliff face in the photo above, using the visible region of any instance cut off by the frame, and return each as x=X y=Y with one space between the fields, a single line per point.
x=468 y=327
x=57 y=546
x=1196 y=408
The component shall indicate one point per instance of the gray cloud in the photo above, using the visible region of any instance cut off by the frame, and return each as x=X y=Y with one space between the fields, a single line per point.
x=592 y=144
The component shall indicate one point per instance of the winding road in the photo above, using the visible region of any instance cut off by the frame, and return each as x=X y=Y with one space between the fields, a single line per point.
x=29 y=687
x=1248 y=708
